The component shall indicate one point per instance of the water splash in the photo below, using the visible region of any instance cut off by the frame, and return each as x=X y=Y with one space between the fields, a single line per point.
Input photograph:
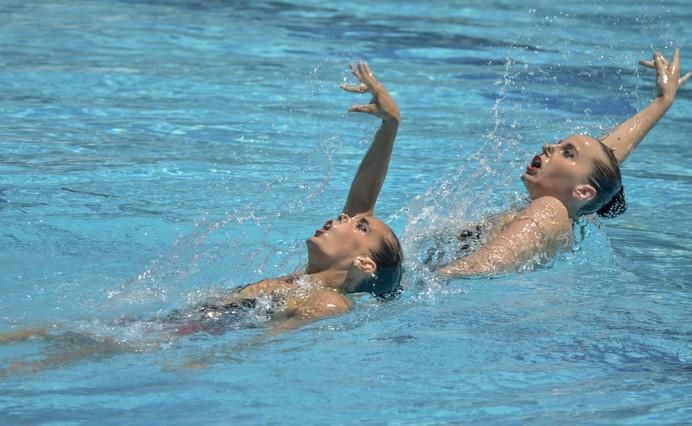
x=549 y=76
x=241 y=243
x=458 y=202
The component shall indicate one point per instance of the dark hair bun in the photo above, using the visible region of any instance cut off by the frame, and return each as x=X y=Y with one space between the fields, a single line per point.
x=615 y=207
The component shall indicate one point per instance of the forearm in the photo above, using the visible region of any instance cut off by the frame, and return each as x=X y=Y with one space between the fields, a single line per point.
x=624 y=138
x=372 y=171
x=366 y=186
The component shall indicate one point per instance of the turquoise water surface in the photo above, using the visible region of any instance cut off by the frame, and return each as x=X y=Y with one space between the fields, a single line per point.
x=153 y=151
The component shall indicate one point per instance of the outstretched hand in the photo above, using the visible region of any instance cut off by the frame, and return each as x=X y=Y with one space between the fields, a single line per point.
x=381 y=105
x=668 y=78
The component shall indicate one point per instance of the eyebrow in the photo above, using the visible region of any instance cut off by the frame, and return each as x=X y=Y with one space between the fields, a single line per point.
x=363 y=219
x=573 y=146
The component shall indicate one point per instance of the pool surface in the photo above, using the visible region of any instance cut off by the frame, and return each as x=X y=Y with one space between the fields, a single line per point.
x=153 y=152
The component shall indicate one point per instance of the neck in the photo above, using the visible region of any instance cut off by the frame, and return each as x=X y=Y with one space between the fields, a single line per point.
x=570 y=205
x=572 y=211
x=330 y=278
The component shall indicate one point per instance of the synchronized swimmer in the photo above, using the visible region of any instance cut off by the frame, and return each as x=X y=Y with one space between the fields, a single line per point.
x=575 y=177
x=356 y=252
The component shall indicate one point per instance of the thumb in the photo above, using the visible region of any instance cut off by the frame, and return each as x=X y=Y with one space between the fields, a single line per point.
x=369 y=108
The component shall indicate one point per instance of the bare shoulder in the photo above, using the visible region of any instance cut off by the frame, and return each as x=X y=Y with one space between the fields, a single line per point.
x=331 y=300
x=315 y=305
x=549 y=205
x=318 y=303
x=265 y=286
x=549 y=213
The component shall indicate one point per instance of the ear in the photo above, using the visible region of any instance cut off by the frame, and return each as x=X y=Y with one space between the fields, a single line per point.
x=365 y=264
x=584 y=192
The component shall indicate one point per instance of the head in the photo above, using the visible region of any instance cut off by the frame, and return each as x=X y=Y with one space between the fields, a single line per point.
x=363 y=247
x=581 y=172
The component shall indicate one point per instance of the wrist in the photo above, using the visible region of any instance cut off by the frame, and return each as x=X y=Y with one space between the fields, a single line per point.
x=664 y=101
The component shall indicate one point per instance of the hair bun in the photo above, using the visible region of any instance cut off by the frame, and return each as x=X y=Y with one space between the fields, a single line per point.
x=615 y=207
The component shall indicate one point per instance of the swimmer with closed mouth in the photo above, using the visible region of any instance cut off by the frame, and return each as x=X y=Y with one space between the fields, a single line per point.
x=354 y=252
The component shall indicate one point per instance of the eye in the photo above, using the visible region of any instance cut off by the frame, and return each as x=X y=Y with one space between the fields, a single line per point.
x=342 y=217
x=569 y=153
x=362 y=226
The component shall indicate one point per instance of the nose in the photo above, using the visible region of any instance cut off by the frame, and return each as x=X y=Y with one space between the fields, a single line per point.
x=548 y=149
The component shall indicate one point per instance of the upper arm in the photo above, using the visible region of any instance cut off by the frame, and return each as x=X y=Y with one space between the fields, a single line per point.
x=545 y=220
x=354 y=208
x=534 y=231
x=316 y=306
x=367 y=183
x=362 y=196
x=322 y=304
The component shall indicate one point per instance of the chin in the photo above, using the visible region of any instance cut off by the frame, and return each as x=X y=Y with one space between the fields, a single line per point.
x=534 y=190
x=313 y=255
x=315 y=249
x=318 y=260
x=528 y=182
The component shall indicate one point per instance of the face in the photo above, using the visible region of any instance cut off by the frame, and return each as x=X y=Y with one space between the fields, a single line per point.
x=560 y=169
x=343 y=239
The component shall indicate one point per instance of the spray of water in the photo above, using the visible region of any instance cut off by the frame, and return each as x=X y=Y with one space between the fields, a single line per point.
x=531 y=77
x=455 y=203
x=218 y=250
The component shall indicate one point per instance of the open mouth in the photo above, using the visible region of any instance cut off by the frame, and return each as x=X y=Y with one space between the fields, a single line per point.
x=535 y=164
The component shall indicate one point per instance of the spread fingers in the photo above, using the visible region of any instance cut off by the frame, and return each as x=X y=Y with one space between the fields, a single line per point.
x=660 y=63
x=676 y=60
x=648 y=64
x=356 y=72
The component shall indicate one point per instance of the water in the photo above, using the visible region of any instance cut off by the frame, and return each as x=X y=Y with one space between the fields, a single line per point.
x=153 y=150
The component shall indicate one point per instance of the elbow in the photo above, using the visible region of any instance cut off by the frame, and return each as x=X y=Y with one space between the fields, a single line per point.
x=391 y=124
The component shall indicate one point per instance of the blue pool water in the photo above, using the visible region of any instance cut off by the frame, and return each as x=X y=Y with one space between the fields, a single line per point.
x=152 y=150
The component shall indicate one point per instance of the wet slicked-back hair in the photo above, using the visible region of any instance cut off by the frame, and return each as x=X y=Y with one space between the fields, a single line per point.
x=609 y=200
x=389 y=259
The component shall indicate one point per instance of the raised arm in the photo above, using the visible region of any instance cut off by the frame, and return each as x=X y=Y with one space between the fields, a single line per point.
x=624 y=138
x=373 y=168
